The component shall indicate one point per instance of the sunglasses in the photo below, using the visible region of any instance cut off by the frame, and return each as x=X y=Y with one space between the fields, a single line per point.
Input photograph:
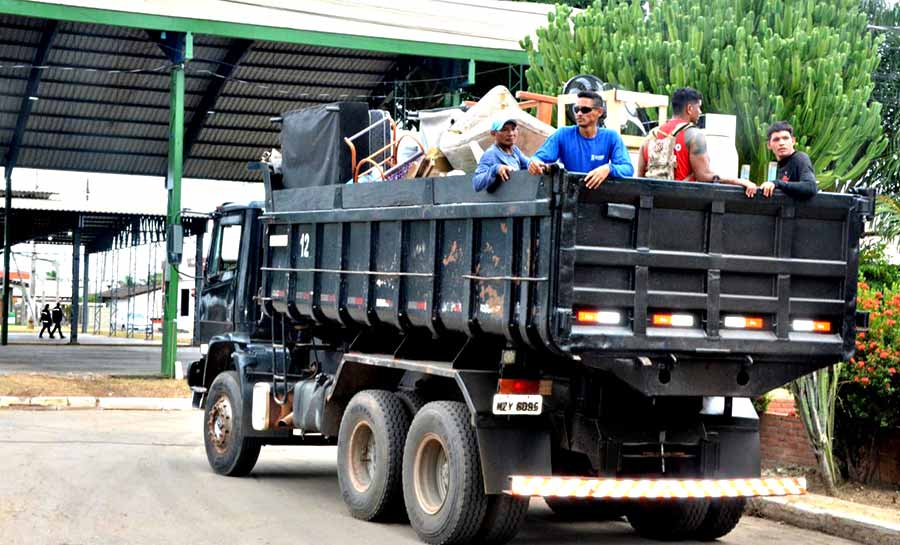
x=583 y=109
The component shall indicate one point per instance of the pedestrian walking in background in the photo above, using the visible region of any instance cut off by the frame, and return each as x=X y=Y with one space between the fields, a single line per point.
x=57 y=321
x=45 y=322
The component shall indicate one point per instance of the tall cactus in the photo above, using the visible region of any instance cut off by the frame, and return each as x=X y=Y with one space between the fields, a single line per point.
x=806 y=61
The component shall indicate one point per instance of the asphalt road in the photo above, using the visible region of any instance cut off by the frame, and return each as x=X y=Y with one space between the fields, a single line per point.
x=137 y=357
x=141 y=478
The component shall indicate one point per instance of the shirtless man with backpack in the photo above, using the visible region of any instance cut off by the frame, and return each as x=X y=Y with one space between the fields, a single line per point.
x=676 y=150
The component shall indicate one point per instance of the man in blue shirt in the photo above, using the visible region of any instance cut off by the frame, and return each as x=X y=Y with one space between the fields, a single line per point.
x=501 y=158
x=586 y=147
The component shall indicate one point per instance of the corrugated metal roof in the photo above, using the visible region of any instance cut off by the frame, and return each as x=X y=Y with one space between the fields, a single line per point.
x=103 y=94
x=102 y=228
x=88 y=119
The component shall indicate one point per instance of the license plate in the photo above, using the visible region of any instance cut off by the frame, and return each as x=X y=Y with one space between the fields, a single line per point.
x=507 y=404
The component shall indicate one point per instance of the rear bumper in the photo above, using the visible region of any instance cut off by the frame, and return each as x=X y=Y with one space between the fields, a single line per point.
x=588 y=487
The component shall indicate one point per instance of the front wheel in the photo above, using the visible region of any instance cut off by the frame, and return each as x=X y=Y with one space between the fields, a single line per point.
x=228 y=450
x=442 y=484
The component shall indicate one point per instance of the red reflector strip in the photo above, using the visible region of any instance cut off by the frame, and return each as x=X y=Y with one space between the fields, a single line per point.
x=583 y=487
x=518 y=386
x=417 y=305
x=357 y=301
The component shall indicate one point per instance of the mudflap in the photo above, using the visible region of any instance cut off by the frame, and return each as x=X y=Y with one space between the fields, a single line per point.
x=506 y=451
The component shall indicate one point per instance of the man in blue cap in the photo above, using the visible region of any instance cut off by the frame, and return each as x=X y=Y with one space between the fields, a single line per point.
x=501 y=158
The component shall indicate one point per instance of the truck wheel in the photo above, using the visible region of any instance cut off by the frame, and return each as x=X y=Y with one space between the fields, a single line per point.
x=668 y=520
x=229 y=452
x=723 y=515
x=573 y=509
x=370 y=454
x=502 y=519
x=442 y=483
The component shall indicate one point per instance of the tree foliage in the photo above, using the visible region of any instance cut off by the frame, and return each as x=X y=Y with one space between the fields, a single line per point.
x=805 y=61
x=885 y=18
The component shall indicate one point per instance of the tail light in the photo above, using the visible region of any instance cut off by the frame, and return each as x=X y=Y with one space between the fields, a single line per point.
x=673 y=320
x=811 y=326
x=599 y=317
x=520 y=386
x=743 y=322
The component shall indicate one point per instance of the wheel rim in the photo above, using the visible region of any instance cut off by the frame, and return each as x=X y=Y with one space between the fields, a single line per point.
x=431 y=473
x=219 y=424
x=362 y=457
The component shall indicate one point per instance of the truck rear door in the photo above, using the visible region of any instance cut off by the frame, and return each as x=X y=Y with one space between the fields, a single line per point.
x=679 y=287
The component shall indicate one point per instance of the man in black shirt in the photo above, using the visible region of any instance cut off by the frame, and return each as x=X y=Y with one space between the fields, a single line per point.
x=795 y=175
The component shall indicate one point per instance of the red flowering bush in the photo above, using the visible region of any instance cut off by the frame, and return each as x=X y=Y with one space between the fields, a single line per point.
x=874 y=368
x=869 y=394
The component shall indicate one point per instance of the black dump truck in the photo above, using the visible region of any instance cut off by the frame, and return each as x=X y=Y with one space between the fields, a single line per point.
x=467 y=351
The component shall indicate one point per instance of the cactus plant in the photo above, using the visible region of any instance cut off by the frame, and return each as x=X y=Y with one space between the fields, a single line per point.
x=809 y=62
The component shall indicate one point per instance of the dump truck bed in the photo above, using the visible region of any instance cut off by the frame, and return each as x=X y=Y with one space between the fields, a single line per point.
x=521 y=263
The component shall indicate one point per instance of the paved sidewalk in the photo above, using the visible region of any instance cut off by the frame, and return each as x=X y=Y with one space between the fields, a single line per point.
x=858 y=522
x=106 y=403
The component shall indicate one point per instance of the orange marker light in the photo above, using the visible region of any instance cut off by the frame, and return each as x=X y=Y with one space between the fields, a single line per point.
x=822 y=327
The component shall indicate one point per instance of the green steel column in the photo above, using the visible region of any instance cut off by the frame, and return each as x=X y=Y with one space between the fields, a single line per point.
x=7 y=207
x=173 y=185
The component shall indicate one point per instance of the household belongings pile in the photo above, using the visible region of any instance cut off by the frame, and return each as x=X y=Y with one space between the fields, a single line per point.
x=348 y=143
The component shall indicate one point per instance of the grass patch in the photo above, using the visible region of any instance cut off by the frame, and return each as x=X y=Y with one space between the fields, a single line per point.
x=34 y=384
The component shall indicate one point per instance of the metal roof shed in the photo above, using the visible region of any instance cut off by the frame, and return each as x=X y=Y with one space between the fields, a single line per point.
x=154 y=86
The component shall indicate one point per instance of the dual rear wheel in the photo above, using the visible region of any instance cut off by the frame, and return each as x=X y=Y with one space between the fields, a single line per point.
x=426 y=464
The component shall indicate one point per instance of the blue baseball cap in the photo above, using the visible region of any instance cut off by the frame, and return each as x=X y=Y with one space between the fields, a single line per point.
x=498 y=124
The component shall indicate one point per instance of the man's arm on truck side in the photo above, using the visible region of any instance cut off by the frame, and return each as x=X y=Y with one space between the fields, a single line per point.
x=486 y=172
x=548 y=153
x=804 y=187
x=696 y=142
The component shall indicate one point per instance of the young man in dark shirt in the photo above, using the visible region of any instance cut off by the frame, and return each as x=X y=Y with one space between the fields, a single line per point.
x=795 y=175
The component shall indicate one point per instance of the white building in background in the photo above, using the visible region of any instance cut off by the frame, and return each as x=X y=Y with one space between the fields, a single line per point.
x=142 y=306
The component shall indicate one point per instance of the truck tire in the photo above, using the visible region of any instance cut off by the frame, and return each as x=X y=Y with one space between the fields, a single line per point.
x=575 y=509
x=668 y=520
x=442 y=483
x=723 y=515
x=502 y=519
x=229 y=452
x=370 y=454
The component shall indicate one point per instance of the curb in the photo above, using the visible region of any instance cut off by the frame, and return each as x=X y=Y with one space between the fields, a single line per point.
x=804 y=515
x=104 y=403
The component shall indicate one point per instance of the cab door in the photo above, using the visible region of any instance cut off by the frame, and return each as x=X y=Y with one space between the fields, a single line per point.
x=221 y=277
